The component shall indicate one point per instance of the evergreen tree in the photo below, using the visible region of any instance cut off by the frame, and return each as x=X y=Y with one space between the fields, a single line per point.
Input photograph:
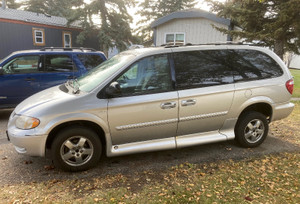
x=114 y=29
x=62 y=8
x=112 y=26
x=154 y=9
x=272 y=23
x=12 y=4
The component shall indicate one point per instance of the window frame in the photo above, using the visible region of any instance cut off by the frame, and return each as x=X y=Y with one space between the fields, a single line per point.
x=34 y=36
x=174 y=34
x=64 y=33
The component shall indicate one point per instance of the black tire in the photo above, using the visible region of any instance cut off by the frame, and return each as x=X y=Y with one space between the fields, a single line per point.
x=251 y=129
x=76 y=149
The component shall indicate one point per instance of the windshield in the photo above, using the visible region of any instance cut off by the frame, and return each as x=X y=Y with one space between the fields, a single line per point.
x=97 y=75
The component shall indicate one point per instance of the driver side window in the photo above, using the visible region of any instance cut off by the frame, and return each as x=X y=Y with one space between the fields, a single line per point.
x=146 y=76
x=23 y=65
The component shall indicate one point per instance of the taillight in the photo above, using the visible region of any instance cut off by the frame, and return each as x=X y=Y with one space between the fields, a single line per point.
x=290 y=85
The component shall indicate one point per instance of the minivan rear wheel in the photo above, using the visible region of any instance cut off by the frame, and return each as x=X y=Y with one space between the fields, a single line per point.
x=76 y=149
x=251 y=129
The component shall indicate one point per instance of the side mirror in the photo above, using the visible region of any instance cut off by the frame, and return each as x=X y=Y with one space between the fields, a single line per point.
x=1 y=71
x=113 y=90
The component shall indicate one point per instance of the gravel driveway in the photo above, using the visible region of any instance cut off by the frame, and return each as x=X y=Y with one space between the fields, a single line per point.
x=15 y=169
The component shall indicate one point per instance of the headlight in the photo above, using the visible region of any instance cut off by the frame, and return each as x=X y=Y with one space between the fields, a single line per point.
x=26 y=122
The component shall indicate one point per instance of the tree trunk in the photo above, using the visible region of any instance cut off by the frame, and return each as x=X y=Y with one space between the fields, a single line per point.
x=279 y=48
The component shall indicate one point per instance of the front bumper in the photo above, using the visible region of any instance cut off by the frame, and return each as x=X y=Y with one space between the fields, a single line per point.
x=24 y=143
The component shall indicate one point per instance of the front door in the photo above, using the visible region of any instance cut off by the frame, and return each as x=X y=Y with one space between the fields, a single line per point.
x=20 y=79
x=147 y=108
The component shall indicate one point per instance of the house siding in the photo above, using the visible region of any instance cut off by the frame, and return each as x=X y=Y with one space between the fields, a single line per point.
x=197 y=31
x=14 y=37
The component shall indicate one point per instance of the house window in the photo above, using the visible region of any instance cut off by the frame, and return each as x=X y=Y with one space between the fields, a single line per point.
x=175 y=38
x=38 y=35
x=67 y=39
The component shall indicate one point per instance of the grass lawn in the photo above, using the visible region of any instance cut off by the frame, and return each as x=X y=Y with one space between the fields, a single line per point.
x=296 y=75
x=269 y=179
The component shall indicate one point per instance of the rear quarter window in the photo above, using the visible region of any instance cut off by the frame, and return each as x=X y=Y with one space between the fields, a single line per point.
x=248 y=65
x=90 y=61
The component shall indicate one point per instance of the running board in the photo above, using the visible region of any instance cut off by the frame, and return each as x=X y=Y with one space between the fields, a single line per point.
x=166 y=143
x=197 y=139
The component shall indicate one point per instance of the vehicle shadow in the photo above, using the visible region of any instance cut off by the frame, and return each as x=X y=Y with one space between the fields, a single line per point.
x=23 y=169
x=4 y=115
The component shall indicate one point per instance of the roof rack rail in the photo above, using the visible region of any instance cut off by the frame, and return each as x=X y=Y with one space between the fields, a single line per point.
x=215 y=43
x=218 y=43
x=67 y=48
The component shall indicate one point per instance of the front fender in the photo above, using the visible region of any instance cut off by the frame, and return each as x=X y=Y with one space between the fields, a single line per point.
x=71 y=117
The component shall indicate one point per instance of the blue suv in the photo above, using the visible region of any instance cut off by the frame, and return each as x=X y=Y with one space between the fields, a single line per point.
x=24 y=73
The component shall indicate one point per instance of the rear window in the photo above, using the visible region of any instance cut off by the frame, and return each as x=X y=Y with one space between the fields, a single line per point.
x=90 y=61
x=248 y=65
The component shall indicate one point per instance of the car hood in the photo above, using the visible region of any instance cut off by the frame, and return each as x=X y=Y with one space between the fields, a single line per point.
x=42 y=99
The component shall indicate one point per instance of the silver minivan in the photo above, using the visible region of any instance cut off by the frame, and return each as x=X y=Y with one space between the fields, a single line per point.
x=156 y=99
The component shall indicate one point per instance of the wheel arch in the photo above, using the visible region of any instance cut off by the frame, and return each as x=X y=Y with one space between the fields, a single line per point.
x=81 y=119
x=261 y=107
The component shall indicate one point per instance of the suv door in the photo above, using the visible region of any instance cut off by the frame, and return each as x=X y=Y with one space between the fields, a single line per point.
x=205 y=87
x=58 y=68
x=147 y=106
x=20 y=79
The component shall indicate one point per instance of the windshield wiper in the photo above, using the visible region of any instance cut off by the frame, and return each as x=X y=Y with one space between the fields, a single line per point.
x=76 y=85
x=69 y=83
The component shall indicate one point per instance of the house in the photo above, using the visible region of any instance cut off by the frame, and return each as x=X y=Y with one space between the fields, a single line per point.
x=190 y=26
x=20 y=30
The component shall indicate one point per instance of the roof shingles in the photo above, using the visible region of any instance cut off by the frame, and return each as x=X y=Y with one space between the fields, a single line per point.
x=32 y=17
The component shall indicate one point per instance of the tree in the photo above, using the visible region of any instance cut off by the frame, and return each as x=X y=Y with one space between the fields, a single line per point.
x=12 y=4
x=154 y=9
x=109 y=19
x=113 y=26
x=62 y=8
x=271 y=23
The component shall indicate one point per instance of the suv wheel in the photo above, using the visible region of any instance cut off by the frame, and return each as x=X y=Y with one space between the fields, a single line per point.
x=76 y=149
x=251 y=129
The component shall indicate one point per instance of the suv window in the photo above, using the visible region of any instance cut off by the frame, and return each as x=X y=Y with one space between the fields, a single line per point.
x=196 y=69
x=58 y=63
x=90 y=61
x=22 y=65
x=250 y=65
x=148 y=75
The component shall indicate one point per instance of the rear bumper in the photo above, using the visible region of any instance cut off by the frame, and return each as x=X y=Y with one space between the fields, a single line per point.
x=281 y=111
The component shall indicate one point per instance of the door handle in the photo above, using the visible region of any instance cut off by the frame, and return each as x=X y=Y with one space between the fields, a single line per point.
x=30 y=79
x=168 y=105
x=188 y=102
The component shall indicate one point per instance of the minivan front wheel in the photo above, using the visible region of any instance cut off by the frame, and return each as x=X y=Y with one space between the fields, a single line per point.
x=251 y=129
x=76 y=149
